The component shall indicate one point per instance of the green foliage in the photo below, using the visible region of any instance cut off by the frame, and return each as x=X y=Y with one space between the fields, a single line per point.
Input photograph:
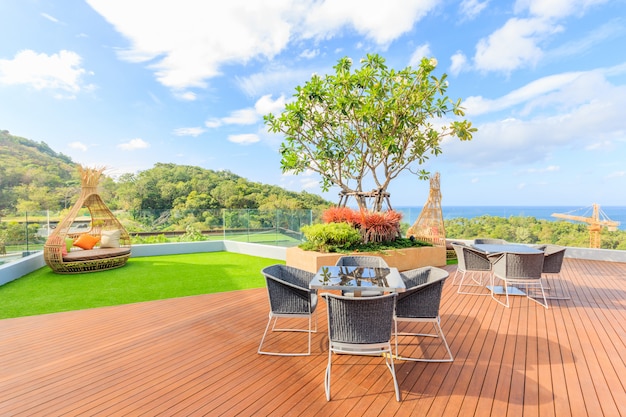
x=35 y=178
x=136 y=239
x=192 y=235
x=523 y=229
x=31 y=172
x=330 y=237
x=399 y=243
x=362 y=127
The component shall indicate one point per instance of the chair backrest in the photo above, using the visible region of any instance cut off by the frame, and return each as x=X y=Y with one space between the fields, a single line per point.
x=360 y=320
x=287 y=289
x=489 y=241
x=553 y=259
x=364 y=260
x=517 y=265
x=422 y=297
x=471 y=259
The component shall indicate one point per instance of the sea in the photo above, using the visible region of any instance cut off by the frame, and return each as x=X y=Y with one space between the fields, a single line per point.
x=615 y=213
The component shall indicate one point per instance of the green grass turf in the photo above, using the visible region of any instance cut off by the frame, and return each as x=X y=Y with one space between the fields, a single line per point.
x=142 y=279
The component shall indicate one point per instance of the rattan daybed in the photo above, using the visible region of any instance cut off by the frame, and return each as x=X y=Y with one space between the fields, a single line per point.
x=105 y=244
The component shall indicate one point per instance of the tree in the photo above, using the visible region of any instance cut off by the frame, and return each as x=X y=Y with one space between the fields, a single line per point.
x=364 y=127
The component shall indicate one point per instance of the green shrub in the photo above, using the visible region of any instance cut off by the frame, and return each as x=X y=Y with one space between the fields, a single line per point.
x=330 y=237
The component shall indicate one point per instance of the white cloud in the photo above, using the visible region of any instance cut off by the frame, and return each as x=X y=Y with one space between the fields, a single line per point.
x=244 y=139
x=266 y=105
x=616 y=174
x=572 y=111
x=309 y=53
x=422 y=51
x=470 y=9
x=476 y=105
x=242 y=117
x=249 y=116
x=514 y=45
x=273 y=78
x=550 y=168
x=213 y=123
x=555 y=8
x=611 y=30
x=78 y=145
x=459 y=63
x=60 y=72
x=134 y=144
x=185 y=95
x=186 y=43
x=189 y=131
x=50 y=18
x=379 y=22
x=198 y=37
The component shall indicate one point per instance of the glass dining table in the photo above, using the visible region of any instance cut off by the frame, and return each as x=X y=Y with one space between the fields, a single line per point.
x=500 y=248
x=357 y=279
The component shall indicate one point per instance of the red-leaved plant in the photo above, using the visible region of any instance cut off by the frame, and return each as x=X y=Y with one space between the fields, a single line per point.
x=375 y=227
x=341 y=215
x=380 y=227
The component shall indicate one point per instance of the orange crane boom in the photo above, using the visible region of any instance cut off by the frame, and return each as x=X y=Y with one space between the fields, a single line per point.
x=595 y=224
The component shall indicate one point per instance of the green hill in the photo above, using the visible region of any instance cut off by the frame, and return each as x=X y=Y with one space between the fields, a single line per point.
x=33 y=177
x=32 y=172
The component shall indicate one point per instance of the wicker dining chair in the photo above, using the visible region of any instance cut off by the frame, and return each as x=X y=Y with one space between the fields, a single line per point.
x=360 y=326
x=363 y=261
x=524 y=269
x=471 y=262
x=420 y=303
x=552 y=264
x=289 y=297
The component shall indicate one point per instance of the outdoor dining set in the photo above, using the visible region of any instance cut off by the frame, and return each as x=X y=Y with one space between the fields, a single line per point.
x=368 y=301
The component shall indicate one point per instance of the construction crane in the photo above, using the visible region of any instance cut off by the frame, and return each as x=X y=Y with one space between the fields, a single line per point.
x=596 y=222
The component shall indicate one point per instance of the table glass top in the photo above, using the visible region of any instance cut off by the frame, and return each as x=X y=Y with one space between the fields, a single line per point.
x=353 y=276
x=509 y=247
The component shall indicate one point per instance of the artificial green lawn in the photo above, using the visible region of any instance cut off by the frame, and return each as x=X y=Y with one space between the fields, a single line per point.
x=141 y=279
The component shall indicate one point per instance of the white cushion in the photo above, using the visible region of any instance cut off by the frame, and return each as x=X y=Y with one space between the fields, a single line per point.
x=110 y=239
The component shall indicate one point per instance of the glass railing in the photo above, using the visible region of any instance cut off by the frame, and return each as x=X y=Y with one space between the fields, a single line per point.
x=25 y=233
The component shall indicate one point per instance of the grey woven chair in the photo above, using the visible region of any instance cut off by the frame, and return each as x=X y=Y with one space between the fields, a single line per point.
x=552 y=263
x=364 y=261
x=471 y=262
x=489 y=241
x=522 y=269
x=420 y=303
x=360 y=326
x=289 y=297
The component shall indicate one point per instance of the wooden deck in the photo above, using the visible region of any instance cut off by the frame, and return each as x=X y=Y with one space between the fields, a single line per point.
x=197 y=356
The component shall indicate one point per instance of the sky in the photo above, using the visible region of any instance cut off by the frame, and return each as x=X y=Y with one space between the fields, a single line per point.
x=127 y=84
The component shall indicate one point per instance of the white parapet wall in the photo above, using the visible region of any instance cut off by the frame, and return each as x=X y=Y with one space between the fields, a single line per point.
x=30 y=263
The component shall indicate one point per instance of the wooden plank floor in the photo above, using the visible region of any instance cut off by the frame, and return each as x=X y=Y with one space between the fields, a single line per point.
x=197 y=356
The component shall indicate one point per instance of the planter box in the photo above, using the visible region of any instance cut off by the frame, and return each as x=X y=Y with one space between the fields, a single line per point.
x=403 y=259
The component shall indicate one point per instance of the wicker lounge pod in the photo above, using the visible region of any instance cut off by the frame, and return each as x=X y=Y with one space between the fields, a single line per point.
x=104 y=245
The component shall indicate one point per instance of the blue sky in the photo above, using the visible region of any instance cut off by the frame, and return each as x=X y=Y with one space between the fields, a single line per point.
x=129 y=83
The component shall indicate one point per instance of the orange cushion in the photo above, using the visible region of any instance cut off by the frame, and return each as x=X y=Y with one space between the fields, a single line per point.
x=86 y=241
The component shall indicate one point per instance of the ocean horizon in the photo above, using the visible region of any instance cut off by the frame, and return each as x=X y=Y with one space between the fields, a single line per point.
x=615 y=213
